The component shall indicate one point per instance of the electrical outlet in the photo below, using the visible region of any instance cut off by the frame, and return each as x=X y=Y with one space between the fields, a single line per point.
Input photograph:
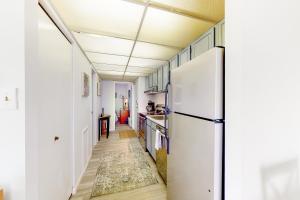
x=8 y=99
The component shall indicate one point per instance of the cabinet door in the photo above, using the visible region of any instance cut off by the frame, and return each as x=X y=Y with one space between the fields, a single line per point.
x=160 y=79
x=153 y=150
x=220 y=33
x=204 y=43
x=184 y=55
x=146 y=83
x=150 y=81
x=154 y=78
x=174 y=62
x=166 y=75
x=149 y=138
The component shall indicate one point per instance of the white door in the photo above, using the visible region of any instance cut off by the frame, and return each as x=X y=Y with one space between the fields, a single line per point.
x=197 y=86
x=55 y=107
x=195 y=159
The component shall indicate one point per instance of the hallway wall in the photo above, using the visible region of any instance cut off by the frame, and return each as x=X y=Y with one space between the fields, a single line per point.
x=82 y=115
x=108 y=101
x=12 y=122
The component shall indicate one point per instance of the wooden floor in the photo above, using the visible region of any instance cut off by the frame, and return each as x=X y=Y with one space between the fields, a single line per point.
x=152 y=192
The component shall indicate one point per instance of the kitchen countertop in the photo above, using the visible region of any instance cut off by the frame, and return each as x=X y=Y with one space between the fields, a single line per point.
x=159 y=122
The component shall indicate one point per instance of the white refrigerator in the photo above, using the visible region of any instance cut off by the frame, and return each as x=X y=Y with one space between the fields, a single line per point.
x=195 y=160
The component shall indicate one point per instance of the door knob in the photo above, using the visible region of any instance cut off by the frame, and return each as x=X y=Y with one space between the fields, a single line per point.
x=56 y=138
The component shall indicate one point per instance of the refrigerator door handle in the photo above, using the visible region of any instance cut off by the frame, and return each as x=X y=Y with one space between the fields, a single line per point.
x=167 y=112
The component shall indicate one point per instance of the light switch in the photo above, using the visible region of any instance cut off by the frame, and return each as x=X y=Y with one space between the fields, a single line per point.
x=8 y=99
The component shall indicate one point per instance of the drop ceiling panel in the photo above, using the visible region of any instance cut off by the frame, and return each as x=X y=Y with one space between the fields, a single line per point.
x=118 y=78
x=139 y=69
x=104 y=44
x=212 y=9
x=98 y=16
x=135 y=74
x=171 y=29
x=145 y=62
x=147 y=50
x=110 y=73
x=107 y=59
x=105 y=67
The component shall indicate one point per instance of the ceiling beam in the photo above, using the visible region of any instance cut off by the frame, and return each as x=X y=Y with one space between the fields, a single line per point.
x=99 y=33
x=113 y=54
x=100 y=63
x=137 y=35
x=172 y=9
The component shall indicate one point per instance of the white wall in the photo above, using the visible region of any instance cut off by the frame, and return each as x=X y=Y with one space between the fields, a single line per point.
x=262 y=100
x=12 y=75
x=82 y=115
x=142 y=99
x=134 y=107
x=157 y=98
x=108 y=101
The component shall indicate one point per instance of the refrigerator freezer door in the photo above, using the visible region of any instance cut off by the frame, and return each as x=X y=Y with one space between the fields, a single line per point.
x=197 y=86
x=195 y=159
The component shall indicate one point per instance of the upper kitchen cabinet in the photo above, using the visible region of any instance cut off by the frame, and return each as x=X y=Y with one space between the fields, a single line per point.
x=146 y=83
x=166 y=75
x=160 y=79
x=174 y=62
x=150 y=79
x=204 y=43
x=154 y=78
x=185 y=55
x=220 y=33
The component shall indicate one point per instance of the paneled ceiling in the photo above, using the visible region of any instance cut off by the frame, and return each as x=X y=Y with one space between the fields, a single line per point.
x=125 y=39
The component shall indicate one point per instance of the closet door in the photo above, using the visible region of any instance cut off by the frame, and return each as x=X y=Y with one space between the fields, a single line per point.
x=55 y=111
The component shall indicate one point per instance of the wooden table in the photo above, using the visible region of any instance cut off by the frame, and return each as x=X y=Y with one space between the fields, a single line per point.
x=100 y=119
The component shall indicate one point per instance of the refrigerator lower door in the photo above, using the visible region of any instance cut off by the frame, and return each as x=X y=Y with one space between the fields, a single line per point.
x=195 y=159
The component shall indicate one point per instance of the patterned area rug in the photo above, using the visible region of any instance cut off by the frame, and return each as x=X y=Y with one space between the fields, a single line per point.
x=127 y=134
x=123 y=171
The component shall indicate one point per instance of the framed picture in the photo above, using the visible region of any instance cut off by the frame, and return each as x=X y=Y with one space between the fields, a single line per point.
x=99 y=89
x=85 y=85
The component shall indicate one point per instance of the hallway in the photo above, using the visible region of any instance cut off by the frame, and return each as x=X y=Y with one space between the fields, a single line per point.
x=115 y=145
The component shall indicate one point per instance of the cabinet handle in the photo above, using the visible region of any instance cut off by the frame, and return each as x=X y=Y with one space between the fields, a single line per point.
x=56 y=138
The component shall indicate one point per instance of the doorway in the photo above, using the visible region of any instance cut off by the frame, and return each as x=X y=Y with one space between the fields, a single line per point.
x=123 y=93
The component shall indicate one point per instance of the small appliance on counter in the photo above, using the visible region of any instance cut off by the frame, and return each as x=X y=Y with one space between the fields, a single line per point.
x=160 y=109
x=150 y=108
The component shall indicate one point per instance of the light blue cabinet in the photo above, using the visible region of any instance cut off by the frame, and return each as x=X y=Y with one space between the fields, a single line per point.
x=220 y=33
x=204 y=43
x=184 y=55
x=154 y=78
x=160 y=79
x=153 y=150
x=166 y=75
x=146 y=83
x=149 y=138
x=150 y=78
x=174 y=62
